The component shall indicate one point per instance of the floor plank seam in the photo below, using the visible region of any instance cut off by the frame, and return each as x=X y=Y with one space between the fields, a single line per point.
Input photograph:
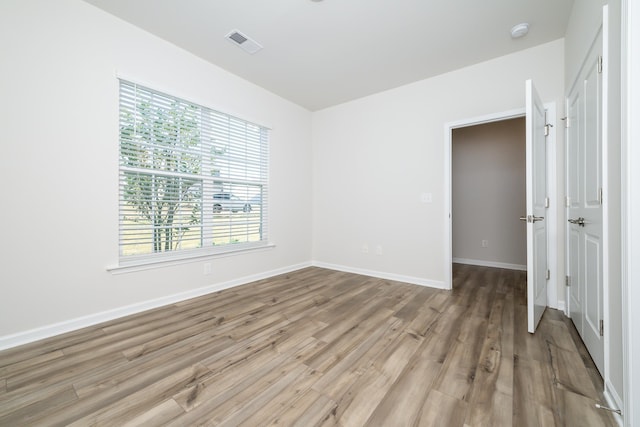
x=315 y=347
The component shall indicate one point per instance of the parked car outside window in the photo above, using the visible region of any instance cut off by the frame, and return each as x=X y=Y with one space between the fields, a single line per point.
x=229 y=202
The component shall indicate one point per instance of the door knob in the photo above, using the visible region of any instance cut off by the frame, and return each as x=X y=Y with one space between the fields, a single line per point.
x=579 y=221
x=531 y=218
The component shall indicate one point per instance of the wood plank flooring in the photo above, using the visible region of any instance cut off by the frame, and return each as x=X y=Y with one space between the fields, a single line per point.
x=315 y=348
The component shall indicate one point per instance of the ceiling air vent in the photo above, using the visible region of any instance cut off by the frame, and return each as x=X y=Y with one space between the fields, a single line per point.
x=243 y=41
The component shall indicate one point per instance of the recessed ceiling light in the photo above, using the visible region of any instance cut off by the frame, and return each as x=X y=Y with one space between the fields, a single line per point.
x=519 y=30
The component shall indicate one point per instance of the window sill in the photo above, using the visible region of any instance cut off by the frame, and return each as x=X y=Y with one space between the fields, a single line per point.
x=150 y=264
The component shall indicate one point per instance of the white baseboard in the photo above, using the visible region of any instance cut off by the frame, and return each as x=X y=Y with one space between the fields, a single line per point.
x=483 y=263
x=613 y=401
x=382 y=275
x=20 y=338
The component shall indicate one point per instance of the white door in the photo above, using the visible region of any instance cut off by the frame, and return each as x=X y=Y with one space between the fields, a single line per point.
x=537 y=203
x=584 y=204
x=574 y=153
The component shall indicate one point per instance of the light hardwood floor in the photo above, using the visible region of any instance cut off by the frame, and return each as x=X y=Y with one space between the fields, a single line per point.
x=315 y=348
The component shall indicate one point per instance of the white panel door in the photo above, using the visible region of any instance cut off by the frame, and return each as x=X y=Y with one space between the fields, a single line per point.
x=536 y=165
x=574 y=201
x=584 y=207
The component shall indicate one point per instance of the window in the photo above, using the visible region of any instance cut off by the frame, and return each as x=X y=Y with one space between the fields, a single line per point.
x=192 y=180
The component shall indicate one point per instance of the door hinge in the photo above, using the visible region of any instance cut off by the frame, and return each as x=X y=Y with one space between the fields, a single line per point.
x=566 y=121
x=547 y=129
x=601 y=328
x=567 y=201
x=548 y=275
x=567 y=281
x=600 y=195
x=600 y=64
x=546 y=202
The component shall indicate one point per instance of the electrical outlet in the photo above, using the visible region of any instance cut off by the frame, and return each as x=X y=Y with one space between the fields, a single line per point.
x=365 y=249
x=207 y=268
x=426 y=197
x=379 y=250
x=485 y=243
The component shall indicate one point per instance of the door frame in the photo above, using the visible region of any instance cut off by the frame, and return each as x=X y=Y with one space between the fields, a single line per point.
x=552 y=234
x=630 y=209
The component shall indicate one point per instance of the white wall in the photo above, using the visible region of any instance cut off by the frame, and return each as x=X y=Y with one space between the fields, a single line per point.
x=374 y=157
x=584 y=22
x=585 y=19
x=371 y=161
x=59 y=115
x=631 y=208
x=489 y=194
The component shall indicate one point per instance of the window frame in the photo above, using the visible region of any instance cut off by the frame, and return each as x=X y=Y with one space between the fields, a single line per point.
x=211 y=183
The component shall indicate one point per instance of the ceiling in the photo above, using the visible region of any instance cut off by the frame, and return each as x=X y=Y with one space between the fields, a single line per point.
x=322 y=53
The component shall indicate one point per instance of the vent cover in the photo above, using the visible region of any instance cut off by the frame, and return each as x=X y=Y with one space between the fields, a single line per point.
x=243 y=41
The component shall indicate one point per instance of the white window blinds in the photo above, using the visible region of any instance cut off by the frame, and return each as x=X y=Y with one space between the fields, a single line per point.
x=191 y=178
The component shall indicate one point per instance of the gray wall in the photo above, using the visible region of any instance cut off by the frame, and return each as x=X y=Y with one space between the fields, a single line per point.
x=488 y=194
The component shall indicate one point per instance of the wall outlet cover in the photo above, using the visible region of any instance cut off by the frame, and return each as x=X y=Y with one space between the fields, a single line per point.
x=426 y=197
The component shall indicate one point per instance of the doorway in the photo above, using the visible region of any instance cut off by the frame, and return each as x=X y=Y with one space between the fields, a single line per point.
x=551 y=178
x=488 y=194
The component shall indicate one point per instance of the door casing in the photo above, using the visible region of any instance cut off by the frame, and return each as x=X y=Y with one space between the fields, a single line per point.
x=552 y=295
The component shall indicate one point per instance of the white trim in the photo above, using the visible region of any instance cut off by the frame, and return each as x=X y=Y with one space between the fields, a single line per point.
x=552 y=288
x=552 y=212
x=381 y=275
x=567 y=294
x=149 y=263
x=494 y=264
x=487 y=118
x=631 y=209
x=20 y=338
x=448 y=129
x=613 y=401
x=604 y=131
